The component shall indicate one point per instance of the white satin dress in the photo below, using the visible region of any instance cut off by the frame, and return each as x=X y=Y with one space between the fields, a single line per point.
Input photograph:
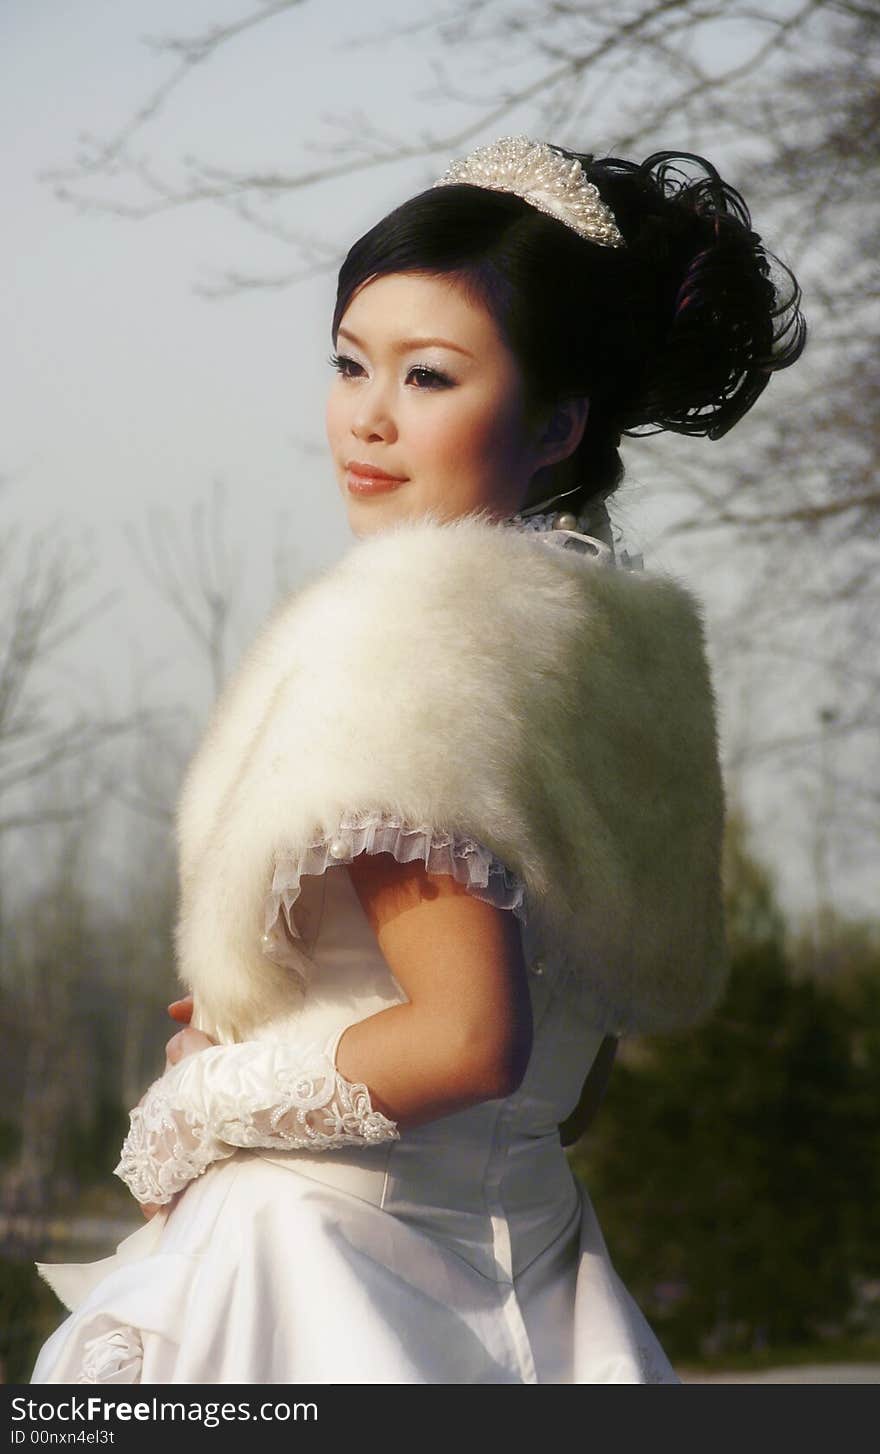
x=464 y=1252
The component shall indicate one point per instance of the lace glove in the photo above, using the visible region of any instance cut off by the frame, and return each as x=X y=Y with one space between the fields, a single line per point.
x=259 y=1093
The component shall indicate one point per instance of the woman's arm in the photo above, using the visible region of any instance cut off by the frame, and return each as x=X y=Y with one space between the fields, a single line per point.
x=466 y=1034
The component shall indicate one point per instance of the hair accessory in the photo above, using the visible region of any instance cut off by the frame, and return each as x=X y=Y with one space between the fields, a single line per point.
x=544 y=178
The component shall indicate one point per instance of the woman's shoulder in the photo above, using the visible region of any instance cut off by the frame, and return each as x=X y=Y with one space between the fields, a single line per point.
x=517 y=714
x=366 y=843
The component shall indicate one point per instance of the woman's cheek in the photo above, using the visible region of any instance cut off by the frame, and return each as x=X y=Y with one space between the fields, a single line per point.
x=464 y=433
x=333 y=418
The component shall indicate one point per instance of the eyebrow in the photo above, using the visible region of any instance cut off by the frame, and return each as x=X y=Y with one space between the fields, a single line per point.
x=406 y=344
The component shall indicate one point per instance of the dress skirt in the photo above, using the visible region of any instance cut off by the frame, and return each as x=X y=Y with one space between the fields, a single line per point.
x=260 y=1274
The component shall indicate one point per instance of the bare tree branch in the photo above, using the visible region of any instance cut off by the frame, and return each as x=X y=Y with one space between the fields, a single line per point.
x=199 y=582
x=42 y=577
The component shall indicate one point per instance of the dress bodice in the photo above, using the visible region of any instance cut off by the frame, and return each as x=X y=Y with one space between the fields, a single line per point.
x=351 y=980
x=500 y=1160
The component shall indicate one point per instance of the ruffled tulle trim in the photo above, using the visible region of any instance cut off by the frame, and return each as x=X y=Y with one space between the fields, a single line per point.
x=469 y=863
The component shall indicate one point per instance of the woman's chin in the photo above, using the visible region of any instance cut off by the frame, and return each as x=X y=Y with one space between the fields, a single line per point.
x=367 y=517
x=364 y=523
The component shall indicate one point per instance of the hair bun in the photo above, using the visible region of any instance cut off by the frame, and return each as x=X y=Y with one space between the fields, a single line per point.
x=718 y=313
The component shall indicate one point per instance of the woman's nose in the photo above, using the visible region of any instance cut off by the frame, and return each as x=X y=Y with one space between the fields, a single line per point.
x=373 y=418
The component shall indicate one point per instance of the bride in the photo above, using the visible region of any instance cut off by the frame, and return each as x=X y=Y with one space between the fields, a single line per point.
x=455 y=825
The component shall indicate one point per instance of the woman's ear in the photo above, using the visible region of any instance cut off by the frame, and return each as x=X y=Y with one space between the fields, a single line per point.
x=564 y=430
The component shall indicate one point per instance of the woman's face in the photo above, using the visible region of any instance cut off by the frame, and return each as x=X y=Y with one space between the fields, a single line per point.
x=429 y=393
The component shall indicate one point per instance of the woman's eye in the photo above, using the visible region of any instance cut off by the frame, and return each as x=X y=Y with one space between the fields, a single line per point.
x=342 y=363
x=430 y=378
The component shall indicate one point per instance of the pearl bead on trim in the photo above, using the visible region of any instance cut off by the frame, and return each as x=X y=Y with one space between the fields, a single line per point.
x=338 y=848
x=565 y=521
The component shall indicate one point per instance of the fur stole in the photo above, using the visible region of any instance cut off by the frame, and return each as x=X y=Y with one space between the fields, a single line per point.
x=479 y=680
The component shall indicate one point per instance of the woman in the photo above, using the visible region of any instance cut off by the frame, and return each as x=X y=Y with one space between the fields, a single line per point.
x=455 y=826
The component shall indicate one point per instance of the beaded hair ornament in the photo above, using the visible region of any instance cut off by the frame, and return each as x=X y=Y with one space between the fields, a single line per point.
x=544 y=178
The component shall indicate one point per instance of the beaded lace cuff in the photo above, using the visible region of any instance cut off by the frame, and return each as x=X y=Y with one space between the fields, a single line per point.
x=259 y=1093
x=468 y=861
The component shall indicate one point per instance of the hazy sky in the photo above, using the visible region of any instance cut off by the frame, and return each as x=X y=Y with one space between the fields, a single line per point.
x=121 y=387
x=123 y=390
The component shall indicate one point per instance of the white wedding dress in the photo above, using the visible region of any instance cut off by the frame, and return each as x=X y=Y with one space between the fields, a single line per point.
x=464 y=1252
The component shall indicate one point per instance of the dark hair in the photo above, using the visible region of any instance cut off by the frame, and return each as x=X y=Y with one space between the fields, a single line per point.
x=680 y=329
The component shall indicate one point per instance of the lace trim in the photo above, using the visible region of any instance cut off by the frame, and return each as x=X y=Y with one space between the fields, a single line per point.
x=166 y=1146
x=469 y=863
x=593 y=522
x=259 y=1093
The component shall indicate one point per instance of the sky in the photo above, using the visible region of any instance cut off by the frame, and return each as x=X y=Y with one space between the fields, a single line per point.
x=125 y=392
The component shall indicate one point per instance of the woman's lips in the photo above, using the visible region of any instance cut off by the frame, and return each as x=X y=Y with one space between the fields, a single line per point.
x=370 y=484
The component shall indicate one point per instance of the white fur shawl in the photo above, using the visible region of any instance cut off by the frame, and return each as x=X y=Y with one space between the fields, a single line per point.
x=473 y=678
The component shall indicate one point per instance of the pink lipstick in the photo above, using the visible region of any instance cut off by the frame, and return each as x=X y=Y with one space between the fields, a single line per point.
x=367 y=479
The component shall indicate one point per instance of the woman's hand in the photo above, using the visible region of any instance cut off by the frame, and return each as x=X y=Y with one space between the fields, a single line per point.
x=181 y=1009
x=185 y=1042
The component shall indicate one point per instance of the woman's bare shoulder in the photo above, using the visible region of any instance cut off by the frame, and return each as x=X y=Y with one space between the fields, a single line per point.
x=388 y=888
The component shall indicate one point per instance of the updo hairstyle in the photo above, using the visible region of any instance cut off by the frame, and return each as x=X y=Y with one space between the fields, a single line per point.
x=679 y=330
